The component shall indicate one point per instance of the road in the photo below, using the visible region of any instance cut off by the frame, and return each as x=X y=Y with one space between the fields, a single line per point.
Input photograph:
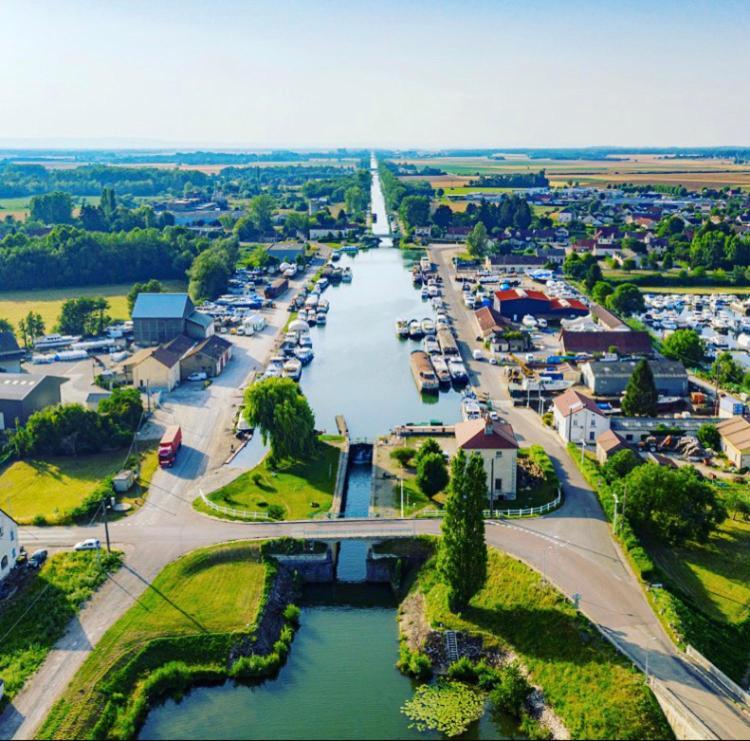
x=572 y=547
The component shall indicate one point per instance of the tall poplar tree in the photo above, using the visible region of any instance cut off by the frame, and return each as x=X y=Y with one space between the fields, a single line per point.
x=462 y=559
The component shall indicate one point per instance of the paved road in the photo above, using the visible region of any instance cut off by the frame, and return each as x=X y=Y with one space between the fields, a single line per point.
x=572 y=547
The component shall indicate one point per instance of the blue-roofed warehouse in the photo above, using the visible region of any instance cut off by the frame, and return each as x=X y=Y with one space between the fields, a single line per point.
x=160 y=317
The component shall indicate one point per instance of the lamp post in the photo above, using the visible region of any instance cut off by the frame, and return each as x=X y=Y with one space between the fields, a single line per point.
x=402 y=499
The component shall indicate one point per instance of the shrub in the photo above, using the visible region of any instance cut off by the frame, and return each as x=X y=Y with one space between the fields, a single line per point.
x=413 y=663
x=463 y=670
x=276 y=511
x=511 y=691
x=404 y=456
x=292 y=614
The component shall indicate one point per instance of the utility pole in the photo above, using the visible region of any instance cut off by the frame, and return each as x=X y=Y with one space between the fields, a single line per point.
x=106 y=524
x=402 y=499
x=614 y=519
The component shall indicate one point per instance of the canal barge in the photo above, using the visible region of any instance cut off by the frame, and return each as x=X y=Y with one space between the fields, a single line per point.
x=423 y=372
x=447 y=342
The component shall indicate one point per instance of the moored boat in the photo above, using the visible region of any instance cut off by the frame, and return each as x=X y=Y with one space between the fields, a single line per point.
x=402 y=328
x=441 y=369
x=423 y=372
x=430 y=345
x=457 y=370
x=292 y=369
x=415 y=329
x=428 y=326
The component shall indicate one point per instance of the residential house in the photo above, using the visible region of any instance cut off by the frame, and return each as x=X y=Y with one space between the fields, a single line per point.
x=209 y=356
x=607 y=319
x=607 y=444
x=496 y=443
x=488 y=322
x=611 y=378
x=153 y=368
x=10 y=354
x=22 y=394
x=577 y=418
x=160 y=317
x=9 y=547
x=735 y=440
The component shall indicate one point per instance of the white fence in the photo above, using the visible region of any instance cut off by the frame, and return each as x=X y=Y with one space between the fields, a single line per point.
x=508 y=513
x=242 y=514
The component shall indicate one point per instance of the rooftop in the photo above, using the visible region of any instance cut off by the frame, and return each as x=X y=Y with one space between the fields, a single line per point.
x=638 y=343
x=162 y=306
x=17 y=386
x=625 y=368
x=479 y=434
x=736 y=431
x=572 y=401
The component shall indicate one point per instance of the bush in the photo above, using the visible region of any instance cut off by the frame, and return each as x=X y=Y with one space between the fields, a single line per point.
x=463 y=670
x=511 y=691
x=403 y=456
x=276 y=511
x=292 y=614
x=413 y=663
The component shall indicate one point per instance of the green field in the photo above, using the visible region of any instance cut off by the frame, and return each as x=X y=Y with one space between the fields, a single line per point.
x=594 y=689
x=51 y=488
x=19 y=207
x=215 y=591
x=14 y=305
x=302 y=489
x=57 y=592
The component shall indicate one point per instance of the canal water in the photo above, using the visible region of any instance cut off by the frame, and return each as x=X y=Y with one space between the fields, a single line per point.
x=361 y=368
x=339 y=683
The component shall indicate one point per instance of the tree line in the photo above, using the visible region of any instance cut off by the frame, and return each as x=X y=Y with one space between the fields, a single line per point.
x=512 y=180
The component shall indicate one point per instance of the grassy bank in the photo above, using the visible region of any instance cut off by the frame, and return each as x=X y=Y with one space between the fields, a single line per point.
x=294 y=490
x=544 y=489
x=593 y=689
x=180 y=632
x=704 y=588
x=14 y=305
x=48 y=491
x=34 y=619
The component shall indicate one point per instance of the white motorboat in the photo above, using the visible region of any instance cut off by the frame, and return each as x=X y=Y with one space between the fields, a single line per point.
x=440 y=365
x=346 y=274
x=415 y=329
x=428 y=326
x=321 y=317
x=402 y=328
x=529 y=321
x=55 y=340
x=430 y=345
x=292 y=369
x=457 y=370
x=470 y=409
x=304 y=354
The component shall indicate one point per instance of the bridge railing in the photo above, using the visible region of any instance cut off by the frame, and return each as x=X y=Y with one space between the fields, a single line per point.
x=242 y=514
x=505 y=513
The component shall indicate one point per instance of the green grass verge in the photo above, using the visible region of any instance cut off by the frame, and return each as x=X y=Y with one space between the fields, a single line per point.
x=14 y=305
x=304 y=489
x=545 y=491
x=704 y=592
x=195 y=610
x=35 y=618
x=593 y=688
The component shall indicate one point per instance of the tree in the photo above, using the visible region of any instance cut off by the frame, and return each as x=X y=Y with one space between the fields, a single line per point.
x=641 y=397
x=92 y=218
x=211 y=270
x=726 y=370
x=709 y=437
x=280 y=410
x=477 y=242
x=626 y=299
x=151 y=286
x=414 y=211
x=443 y=216
x=85 y=315
x=261 y=209
x=432 y=474
x=6 y=326
x=620 y=465
x=593 y=276
x=31 y=326
x=462 y=557
x=686 y=346
x=355 y=199
x=675 y=505
x=600 y=291
x=430 y=445
x=108 y=203
x=52 y=208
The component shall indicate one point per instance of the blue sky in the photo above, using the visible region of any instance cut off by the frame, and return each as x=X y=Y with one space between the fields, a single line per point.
x=411 y=73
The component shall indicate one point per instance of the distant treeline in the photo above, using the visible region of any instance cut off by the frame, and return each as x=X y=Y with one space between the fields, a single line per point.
x=512 y=180
x=70 y=256
x=674 y=190
x=29 y=180
x=395 y=190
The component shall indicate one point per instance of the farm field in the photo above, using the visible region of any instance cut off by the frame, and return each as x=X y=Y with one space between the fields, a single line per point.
x=18 y=208
x=14 y=305
x=692 y=173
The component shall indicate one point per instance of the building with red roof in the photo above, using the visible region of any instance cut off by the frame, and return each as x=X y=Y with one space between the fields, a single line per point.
x=515 y=303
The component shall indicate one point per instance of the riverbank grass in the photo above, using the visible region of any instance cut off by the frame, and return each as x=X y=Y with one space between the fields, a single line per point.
x=47 y=491
x=211 y=593
x=37 y=615
x=295 y=490
x=593 y=689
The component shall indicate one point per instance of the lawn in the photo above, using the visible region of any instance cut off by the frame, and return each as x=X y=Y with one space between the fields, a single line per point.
x=51 y=488
x=593 y=688
x=715 y=575
x=14 y=305
x=544 y=490
x=215 y=590
x=302 y=489
x=57 y=592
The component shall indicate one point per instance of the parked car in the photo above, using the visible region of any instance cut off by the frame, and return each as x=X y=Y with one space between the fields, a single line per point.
x=200 y=375
x=477 y=355
x=90 y=544
x=36 y=559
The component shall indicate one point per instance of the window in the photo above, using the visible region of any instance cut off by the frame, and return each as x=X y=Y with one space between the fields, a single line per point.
x=12 y=535
x=4 y=563
x=499 y=454
x=498 y=484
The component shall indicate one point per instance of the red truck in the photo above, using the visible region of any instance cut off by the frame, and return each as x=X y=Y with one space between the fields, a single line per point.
x=169 y=445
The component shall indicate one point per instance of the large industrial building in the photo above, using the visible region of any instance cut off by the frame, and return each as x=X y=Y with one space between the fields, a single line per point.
x=611 y=378
x=22 y=394
x=160 y=317
x=10 y=354
x=515 y=303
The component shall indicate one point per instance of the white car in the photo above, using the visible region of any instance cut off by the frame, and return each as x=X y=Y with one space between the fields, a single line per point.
x=477 y=355
x=90 y=544
x=197 y=376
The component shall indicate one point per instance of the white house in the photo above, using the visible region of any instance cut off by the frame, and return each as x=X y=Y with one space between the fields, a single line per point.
x=577 y=417
x=8 y=544
x=496 y=443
